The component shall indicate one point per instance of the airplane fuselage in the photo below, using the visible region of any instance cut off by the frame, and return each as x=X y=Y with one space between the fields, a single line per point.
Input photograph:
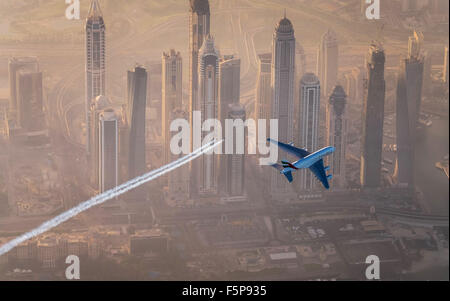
x=313 y=158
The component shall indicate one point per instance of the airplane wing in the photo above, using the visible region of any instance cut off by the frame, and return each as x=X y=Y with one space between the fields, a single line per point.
x=298 y=152
x=318 y=170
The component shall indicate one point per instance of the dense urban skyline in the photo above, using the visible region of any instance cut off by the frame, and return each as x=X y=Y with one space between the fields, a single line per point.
x=67 y=142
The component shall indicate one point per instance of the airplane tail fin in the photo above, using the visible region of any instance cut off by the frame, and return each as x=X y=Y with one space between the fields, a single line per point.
x=288 y=176
x=287 y=164
x=282 y=170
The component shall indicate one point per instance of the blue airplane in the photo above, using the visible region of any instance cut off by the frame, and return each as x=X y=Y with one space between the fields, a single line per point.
x=313 y=161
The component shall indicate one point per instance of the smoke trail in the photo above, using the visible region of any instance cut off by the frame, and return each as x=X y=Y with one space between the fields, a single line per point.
x=106 y=196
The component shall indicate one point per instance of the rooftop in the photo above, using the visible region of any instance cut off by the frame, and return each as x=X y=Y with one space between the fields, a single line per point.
x=310 y=79
x=285 y=26
x=200 y=6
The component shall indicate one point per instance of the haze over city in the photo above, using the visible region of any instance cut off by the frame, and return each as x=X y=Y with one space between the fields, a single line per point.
x=87 y=104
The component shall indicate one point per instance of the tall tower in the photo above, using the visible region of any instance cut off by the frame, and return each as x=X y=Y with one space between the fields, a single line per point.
x=409 y=97
x=98 y=105
x=309 y=123
x=199 y=29
x=235 y=163
x=301 y=60
x=427 y=73
x=16 y=65
x=95 y=61
x=328 y=62
x=137 y=101
x=263 y=104
x=179 y=184
x=373 y=119
x=283 y=83
x=445 y=68
x=208 y=105
x=109 y=150
x=229 y=93
x=172 y=94
x=337 y=134
x=29 y=96
x=229 y=84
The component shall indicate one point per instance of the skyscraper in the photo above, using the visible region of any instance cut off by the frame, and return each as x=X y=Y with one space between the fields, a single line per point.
x=98 y=105
x=301 y=60
x=337 y=135
x=427 y=73
x=328 y=62
x=109 y=150
x=415 y=44
x=229 y=84
x=263 y=104
x=15 y=65
x=283 y=83
x=29 y=95
x=172 y=94
x=409 y=97
x=355 y=85
x=95 y=61
x=445 y=68
x=199 y=29
x=373 y=119
x=179 y=184
x=229 y=93
x=309 y=123
x=208 y=105
x=235 y=163
x=137 y=101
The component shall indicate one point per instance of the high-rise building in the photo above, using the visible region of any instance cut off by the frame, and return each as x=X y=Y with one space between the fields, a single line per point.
x=109 y=150
x=178 y=188
x=301 y=60
x=337 y=135
x=172 y=94
x=229 y=93
x=328 y=62
x=263 y=104
x=29 y=96
x=445 y=68
x=137 y=101
x=15 y=65
x=199 y=29
x=373 y=119
x=95 y=61
x=98 y=105
x=310 y=91
x=283 y=84
x=409 y=98
x=208 y=105
x=350 y=86
x=415 y=44
x=355 y=88
x=235 y=163
x=427 y=73
x=229 y=84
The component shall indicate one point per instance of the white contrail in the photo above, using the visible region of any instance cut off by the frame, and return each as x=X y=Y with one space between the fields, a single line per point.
x=106 y=196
